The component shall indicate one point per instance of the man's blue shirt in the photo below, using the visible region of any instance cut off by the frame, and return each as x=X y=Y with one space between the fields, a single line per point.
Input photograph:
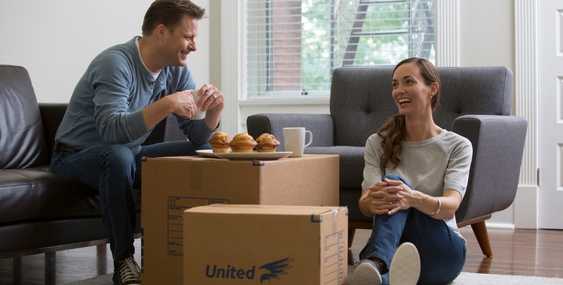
x=107 y=104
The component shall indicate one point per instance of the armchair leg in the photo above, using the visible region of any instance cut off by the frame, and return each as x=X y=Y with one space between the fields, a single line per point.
x=482 y=236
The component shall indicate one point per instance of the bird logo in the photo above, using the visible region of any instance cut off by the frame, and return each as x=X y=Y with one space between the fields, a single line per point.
x=274 y=269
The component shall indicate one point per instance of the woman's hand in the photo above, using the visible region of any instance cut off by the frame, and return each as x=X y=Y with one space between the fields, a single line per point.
x=405 y=196
x=378 y=199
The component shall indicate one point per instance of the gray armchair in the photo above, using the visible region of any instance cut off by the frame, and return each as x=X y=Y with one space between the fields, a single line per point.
x=475 y=103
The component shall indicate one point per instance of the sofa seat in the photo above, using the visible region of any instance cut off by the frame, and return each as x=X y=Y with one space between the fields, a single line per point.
x=351 y=163
x=349 y=197
x=35 y=194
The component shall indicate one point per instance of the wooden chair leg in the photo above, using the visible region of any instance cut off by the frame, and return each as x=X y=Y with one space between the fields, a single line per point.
x=482 y=236
x=351 y=232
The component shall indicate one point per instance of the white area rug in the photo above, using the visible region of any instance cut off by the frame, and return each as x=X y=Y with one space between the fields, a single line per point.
x=463 y=279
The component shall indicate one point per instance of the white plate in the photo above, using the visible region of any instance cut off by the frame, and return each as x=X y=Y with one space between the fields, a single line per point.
x=206 y=153
x=255 y=155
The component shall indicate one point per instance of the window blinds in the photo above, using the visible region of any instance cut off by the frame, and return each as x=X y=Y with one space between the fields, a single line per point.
x=292 y=46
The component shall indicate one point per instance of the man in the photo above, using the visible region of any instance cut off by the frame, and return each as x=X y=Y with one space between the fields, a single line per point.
x=125 y=92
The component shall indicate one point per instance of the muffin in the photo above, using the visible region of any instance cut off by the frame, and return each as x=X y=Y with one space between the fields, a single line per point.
x=243 y=142
x=220 y=142
x=267 y=143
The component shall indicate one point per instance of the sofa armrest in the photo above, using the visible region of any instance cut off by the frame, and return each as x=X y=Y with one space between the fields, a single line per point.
x=51 y=116
x=320 y=124
x=498 y=145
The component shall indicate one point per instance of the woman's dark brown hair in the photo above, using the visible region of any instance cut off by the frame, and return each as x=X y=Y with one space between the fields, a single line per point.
x=169 y=13
x=394 y=130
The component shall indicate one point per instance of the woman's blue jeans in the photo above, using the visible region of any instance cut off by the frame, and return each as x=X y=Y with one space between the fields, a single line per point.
x=442 y=251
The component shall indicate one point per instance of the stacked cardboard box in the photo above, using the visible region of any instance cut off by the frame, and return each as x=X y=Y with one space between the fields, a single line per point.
x=174 y=184
x=257 y=244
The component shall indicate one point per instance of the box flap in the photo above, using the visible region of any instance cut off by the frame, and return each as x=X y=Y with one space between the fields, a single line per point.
x=265 y=209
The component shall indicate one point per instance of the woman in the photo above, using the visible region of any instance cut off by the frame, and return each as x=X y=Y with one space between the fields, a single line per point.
x=415 y=177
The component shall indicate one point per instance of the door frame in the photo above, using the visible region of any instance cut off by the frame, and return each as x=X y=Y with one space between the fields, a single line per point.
x=527 y=90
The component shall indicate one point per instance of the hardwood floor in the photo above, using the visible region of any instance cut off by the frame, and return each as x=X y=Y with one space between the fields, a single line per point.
x=519 y=252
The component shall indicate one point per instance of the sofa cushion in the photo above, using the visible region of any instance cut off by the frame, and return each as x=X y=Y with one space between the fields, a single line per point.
x=351 y=163
x=21 y=133
x=35 y=194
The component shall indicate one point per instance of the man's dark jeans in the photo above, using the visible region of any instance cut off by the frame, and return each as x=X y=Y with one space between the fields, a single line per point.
x=114 y=170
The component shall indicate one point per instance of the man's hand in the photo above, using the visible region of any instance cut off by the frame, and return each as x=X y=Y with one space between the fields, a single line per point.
x=210 y=99
x=182 y=104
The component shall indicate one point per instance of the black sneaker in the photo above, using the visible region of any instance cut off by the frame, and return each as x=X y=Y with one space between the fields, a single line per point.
x=127 y=272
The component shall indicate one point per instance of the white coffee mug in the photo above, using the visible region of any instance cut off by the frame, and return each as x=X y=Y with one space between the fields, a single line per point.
x=200 y=115
x=294 y=140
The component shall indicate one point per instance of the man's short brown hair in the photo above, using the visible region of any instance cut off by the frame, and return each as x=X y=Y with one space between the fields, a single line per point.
x=169 y=13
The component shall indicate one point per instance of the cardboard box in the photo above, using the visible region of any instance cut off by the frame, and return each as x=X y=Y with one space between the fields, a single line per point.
x=174 y=184
x=257 y=244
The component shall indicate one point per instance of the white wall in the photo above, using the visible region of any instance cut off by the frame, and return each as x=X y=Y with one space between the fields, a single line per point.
x=487 y=38
x=56 y=40
x=487 y=33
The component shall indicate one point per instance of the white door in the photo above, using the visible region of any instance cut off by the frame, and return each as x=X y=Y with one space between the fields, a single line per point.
x=551 y=113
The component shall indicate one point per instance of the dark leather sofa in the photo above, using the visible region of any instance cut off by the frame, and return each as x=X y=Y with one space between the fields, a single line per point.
x=39 y=211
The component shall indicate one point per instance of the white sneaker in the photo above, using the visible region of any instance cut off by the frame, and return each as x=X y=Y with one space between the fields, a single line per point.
x=405 y=265
x=366 y=273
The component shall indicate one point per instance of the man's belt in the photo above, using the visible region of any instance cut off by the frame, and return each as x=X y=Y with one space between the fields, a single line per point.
x=61 y=147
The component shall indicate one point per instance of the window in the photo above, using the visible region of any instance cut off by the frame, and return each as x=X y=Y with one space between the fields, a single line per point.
x=292 y=46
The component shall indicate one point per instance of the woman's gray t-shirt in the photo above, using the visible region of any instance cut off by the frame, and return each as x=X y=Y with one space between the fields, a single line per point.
x=430 y=166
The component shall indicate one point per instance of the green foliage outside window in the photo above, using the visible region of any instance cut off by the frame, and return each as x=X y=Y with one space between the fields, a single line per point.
x=408 y=24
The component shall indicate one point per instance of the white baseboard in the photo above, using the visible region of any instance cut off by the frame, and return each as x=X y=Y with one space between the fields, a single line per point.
x=508 y=226
x=526 y=207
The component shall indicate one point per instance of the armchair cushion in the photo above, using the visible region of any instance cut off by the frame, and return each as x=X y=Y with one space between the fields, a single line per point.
x=351 y=163
x=360 y=101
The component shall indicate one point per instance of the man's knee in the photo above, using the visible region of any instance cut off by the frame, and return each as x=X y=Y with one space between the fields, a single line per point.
x=119 y=160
